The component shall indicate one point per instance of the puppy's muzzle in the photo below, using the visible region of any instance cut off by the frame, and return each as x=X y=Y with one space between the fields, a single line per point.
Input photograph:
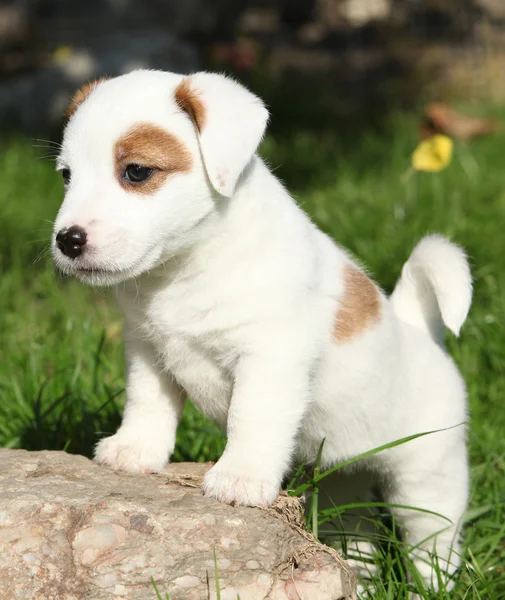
x=71 y=242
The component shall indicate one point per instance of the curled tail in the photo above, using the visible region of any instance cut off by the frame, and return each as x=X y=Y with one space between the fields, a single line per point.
x=435 y=288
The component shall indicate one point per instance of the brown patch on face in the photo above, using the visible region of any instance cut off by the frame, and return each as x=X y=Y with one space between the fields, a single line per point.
x=150 y=146
x=82 y=94
x=189 y=101
x=360 y=306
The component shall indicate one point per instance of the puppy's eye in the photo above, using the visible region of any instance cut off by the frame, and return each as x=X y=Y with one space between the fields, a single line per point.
x=137 y=174
x=65 y=173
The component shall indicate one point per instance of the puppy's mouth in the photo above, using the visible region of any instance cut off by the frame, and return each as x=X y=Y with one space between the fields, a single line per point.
x=85 y=267
x=96 y=276
x=91 y=274
x=93 y=271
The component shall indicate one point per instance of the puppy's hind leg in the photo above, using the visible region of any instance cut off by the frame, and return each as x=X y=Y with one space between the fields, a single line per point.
x=438 y=495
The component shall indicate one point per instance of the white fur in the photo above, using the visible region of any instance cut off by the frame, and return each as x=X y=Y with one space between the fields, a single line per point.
x=232 y=298
x=435 y=288
x=243 y=115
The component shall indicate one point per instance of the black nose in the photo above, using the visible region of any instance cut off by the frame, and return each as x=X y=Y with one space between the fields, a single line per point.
x=71 y=241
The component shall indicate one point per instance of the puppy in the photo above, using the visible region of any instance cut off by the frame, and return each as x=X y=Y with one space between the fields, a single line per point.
x=233 y=296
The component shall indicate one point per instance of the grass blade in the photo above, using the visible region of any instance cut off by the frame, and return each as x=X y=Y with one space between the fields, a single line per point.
x=216 y=575
x=302 y=488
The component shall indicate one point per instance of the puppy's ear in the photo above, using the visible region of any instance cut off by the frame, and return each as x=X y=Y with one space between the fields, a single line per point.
x=230 y=122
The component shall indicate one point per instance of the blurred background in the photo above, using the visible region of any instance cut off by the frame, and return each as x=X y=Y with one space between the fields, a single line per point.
x=358 y=56
x=353 y=87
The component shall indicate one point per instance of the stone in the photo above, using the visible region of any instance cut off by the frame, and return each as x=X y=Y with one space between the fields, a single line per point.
x=72 y=530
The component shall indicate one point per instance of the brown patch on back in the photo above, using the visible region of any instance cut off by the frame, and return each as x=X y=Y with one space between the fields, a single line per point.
x=150 y=146
x=189 y=101
x=82 y=94
x=360 y=306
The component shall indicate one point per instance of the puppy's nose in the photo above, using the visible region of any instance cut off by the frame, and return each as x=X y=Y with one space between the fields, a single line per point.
x=71 y=241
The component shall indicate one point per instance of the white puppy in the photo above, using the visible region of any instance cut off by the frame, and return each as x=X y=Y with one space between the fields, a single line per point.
x=232 y=296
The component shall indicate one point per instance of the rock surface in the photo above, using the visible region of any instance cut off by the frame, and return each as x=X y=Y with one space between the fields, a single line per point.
x=71 y=530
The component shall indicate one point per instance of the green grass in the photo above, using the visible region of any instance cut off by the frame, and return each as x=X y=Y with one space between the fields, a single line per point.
x=61 y=362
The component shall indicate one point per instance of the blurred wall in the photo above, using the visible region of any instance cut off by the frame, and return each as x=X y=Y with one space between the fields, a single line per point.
x=48 y=48
x=366 y=53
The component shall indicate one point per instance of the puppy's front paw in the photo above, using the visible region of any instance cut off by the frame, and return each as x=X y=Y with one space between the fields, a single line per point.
x=240 y=486
x=130 y=452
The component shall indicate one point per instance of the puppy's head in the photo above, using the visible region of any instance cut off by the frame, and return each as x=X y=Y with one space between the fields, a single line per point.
x=145 y=157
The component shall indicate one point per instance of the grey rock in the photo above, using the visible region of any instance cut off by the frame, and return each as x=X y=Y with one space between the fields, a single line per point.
x=71 y=530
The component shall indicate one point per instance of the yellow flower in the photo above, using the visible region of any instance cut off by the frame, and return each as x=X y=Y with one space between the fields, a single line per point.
x=433 y=154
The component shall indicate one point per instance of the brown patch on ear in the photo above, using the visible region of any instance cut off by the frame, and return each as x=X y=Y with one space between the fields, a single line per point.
x=82 y=94
x=360 y=305
x=150 y=146
x=189 y=101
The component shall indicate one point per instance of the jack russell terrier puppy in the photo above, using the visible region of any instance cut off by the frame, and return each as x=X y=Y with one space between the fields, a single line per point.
x=234 y=297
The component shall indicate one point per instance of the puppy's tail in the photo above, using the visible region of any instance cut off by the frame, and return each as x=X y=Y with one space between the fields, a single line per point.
x=435 y=288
